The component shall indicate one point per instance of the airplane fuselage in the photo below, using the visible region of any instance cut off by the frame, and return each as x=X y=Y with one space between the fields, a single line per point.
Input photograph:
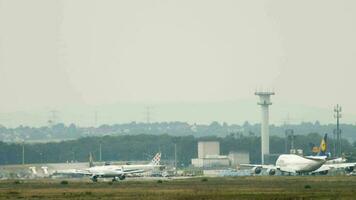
x=119 y=170
x=141 y=167
x=299 y=164
x=105 y=171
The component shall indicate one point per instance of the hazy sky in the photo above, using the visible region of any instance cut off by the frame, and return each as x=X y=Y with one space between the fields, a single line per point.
x=55 y=54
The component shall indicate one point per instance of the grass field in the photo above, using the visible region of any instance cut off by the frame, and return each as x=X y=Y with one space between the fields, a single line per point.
x=278 y=187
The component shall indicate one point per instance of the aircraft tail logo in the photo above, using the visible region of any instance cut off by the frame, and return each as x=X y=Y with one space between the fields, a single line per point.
x=323 y=146
x=156 y=160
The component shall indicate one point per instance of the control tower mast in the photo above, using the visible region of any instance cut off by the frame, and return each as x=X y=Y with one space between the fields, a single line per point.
x=264 y=102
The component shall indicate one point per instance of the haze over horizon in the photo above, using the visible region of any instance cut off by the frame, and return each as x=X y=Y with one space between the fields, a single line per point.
x=195 y=61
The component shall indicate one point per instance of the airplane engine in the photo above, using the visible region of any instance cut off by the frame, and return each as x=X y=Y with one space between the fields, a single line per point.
x=122 y=177
x=271 y=172
x=256 y=170
x=95 y=178
x=349 y=169
x=117 y=178
x=324 y=172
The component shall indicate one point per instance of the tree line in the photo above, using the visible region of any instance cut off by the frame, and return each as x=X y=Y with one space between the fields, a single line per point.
x=60 y=131
x=144 y=146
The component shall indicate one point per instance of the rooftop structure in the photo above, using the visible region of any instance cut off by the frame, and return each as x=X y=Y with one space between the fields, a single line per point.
x=208 y=148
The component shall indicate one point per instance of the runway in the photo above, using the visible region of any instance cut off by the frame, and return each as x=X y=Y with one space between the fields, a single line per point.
x=261 y=187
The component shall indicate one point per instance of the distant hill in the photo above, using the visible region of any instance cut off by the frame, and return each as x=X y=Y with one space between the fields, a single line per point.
x=232 y=112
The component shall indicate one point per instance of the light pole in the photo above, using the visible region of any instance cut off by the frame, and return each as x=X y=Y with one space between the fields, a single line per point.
x=100 y=152
x=175 y=157
x=23 y=153
x=337 y=115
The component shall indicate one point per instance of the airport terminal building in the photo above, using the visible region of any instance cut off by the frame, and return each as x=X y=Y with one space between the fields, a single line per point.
x=209 y=156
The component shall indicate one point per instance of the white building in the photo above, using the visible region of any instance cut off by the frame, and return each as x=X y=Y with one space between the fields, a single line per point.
x=237 y=158
x=211 y=161
x=209 y=155
x=208 y=148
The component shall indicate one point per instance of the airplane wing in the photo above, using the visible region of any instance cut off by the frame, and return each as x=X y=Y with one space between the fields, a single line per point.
x=71 y=172
x=341 y=165
x=323 y=168
x=261 y=166
x=316 y=157
x=256 y=169
x=349 y=167
x=286 y=169
x=269 y=167
x=132 y=171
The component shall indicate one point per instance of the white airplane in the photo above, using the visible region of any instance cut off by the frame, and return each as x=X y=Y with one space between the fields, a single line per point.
x=116 y=172
x=324 y=169
x=295 y=164
x=292 y=163
x=333 y=164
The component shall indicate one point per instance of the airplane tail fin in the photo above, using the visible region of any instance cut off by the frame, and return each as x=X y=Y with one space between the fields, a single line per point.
x=91 y=160
x=156 y=160
x=33 y=170
x=45 y=170
x=323 y=146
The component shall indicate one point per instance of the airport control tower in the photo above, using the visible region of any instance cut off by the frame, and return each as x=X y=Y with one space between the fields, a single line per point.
x=264 y=103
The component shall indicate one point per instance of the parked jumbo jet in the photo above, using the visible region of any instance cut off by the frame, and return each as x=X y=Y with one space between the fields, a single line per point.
x=116 y=172
x=291 y=163
x=336 y=163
